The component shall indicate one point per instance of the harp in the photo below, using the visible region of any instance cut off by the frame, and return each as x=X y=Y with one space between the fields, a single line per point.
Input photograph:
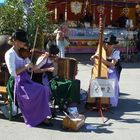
x=99 y=69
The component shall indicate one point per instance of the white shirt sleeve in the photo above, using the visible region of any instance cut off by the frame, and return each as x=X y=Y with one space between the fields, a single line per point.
x=10 y=62
x=41 y=61
x=116 y=55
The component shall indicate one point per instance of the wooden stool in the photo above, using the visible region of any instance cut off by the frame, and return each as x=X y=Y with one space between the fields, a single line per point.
x=4 y=94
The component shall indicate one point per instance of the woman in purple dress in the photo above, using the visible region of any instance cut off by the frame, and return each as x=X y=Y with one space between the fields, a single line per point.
x=113 y=57
x=47 y=66
x=112 y=61
x=32 y=97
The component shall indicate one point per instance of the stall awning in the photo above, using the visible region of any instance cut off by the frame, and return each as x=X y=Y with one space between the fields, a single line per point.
x=107 y=2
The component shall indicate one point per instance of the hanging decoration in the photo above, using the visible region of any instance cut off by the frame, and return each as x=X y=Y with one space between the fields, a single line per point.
x=138 y=15
x=111 y=11
x=126 y=9
x=66 y=11
x=55 y=13
x=86 y=6
x=138 y=8
x=101 y=9
x=76 y=7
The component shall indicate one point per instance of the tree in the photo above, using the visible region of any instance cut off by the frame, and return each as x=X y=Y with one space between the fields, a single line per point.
x=18 y=14
x=11 y=16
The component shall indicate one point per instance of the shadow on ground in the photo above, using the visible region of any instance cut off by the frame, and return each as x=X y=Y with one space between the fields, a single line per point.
x=127 y=107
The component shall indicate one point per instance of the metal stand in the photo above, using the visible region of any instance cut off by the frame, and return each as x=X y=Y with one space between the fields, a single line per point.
x=98 y=106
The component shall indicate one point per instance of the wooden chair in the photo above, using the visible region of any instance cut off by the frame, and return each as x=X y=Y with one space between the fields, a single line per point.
x=3 y=92
x=5 y=97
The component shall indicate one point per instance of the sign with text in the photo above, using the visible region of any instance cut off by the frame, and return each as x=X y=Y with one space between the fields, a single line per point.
x=102 y=87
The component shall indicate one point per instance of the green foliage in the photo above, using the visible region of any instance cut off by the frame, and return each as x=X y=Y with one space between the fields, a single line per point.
x=13 y=16
x=37 y=17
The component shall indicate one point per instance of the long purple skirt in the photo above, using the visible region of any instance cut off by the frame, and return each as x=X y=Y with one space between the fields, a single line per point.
x=113 y=75
x=32 y=98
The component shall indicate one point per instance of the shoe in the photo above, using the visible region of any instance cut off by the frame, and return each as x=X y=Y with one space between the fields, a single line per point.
x=47 y=123
x=6 y=102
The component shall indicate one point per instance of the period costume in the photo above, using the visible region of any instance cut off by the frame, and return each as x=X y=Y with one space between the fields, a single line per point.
x=110 y=66
x=44 y=77
x=46 y=62
x=113 y=74
x=32 y=98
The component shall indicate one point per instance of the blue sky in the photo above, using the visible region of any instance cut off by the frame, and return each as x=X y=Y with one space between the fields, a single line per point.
x=2 y=1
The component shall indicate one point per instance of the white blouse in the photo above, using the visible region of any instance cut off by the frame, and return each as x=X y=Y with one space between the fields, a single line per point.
x=115 y=55
x=41 y=61
x=13 y=61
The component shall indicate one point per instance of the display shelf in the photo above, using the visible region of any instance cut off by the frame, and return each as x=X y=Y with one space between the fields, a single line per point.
x=85 y=40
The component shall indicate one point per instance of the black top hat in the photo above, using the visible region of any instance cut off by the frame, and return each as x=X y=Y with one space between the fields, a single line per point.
x=112 y=40
x=20 y=35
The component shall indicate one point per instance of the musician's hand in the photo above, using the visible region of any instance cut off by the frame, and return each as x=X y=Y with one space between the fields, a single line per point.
x=96 y=57
x=51 y=69
x=45 y=55
x=93 y=57
x=56 y=58
x=29 y=66
x=35 y=67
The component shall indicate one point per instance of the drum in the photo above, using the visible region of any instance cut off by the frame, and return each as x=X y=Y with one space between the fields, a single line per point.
x=67 y=68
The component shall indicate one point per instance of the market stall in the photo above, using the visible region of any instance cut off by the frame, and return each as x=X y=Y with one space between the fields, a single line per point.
x=86 y=40
x=84 y=37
